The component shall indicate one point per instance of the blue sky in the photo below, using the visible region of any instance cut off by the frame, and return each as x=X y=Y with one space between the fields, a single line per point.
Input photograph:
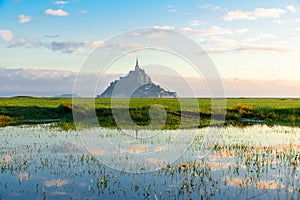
x=247 y=40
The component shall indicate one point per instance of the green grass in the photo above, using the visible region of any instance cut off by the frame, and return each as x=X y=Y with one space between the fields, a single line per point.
x=239 y=111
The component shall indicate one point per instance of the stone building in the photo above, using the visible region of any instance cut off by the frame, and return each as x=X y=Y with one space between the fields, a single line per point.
x=137 y=84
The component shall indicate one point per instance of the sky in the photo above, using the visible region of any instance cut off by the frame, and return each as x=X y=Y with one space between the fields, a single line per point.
x=254 y=45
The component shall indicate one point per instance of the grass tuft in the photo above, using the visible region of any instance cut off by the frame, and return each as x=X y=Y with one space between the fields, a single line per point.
x=65 y=107
x=242 y=109
x=5 y=120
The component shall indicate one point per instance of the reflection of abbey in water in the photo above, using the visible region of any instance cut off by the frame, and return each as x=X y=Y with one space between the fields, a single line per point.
x=136 y=84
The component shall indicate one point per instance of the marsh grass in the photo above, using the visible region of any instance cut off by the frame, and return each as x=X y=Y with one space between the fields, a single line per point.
x=239 y=112
x=5 y=120
x=65 y=107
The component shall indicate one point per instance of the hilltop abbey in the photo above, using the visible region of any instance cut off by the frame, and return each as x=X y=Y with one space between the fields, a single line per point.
x=137 y=84
x=138 y=76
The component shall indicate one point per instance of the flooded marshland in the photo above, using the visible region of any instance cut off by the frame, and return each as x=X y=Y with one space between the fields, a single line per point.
x=254 y=162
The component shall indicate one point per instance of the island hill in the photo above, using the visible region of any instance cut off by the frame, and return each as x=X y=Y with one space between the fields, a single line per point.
x=137 y=84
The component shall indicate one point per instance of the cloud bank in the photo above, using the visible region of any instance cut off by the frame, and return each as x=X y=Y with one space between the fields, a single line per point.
x=38 y=82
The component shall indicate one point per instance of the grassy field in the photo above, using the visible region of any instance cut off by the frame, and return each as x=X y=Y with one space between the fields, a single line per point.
x=239 y=111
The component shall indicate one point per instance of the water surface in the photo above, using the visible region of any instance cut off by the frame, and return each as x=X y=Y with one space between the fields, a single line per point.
x=245 y=163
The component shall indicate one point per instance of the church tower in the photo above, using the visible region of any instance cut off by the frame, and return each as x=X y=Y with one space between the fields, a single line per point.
x=139 y=74
x=137 y=67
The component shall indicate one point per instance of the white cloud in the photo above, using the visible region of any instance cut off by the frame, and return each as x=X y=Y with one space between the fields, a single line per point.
x=217 y=50
x=58 y=12
x=267 y=36
x=202 y=40
x=296 y=35
x=60 y=2
x=172 y=10
x=228 y=46
x=26 y=43
x=79 y=51
x=215 y=30
x=254 y=14
x=223 y=42
x=268 y=12
x=24 y=19
x=281 y=42
x=168 y=28
x=6 y=35
x=297 y=20
x=281 y=21
x=238 y=14
x=156 y=34
x=243 y=30
x=259 y=47
x=82 y=11
x=262 y=36
x=94 y=44
x=211 y=7
x=74 y=47
x=195 y=23
x=291 y=8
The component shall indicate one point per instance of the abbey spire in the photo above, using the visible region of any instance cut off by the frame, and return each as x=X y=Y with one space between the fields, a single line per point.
x=137 y=67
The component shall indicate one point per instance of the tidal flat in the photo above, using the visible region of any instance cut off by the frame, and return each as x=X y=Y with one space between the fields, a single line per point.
x=254 y=162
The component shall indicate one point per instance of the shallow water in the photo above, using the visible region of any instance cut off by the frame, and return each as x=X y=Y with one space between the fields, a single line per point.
x=250 y=163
